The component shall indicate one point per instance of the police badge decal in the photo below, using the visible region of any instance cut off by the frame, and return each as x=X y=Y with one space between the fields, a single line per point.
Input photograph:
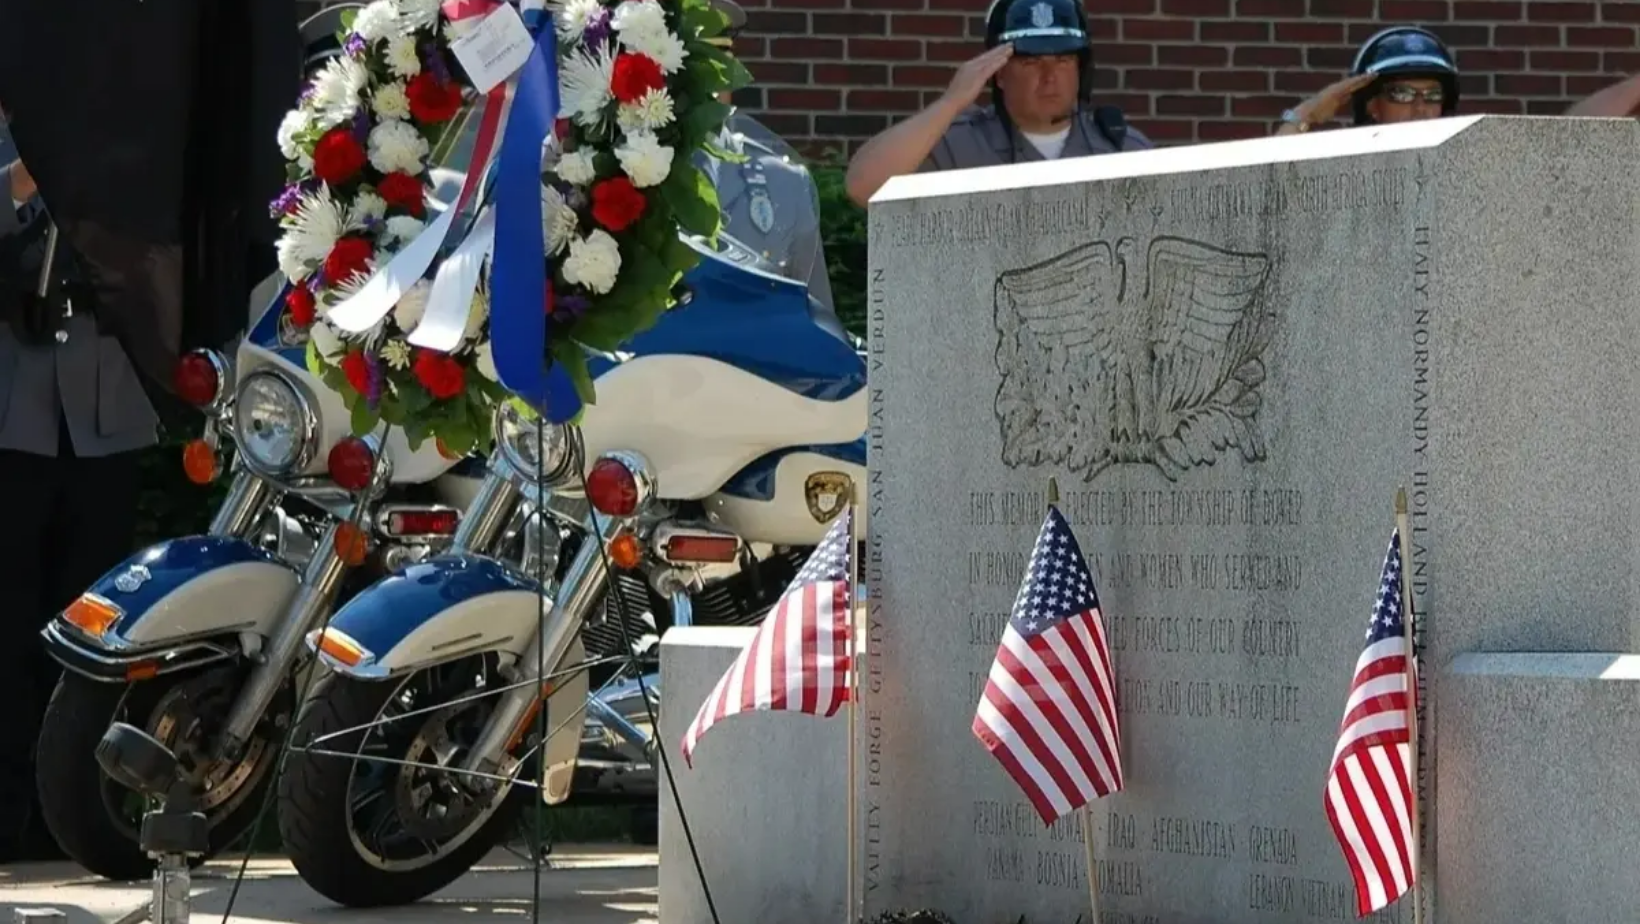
x=826 y=492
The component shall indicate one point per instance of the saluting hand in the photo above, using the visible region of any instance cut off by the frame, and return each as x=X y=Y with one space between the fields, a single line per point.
x=1324 y=105
x=975 y=74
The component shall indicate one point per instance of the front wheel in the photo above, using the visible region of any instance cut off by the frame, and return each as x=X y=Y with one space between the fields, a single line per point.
x=97 y=821
x=367 y=832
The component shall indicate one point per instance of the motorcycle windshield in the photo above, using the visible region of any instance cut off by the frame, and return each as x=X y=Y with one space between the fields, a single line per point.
x=770 y=204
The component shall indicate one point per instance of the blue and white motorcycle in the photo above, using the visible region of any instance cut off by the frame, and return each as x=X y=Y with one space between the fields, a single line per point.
x=198 y=640
x=721 y=446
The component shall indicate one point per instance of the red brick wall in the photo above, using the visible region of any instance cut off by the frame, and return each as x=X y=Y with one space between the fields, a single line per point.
x=831 y=72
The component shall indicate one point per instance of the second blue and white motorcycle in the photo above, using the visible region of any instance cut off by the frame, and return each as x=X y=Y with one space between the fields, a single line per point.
x=721 y=447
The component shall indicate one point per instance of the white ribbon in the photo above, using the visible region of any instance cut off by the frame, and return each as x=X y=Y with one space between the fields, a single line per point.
x=450 y=303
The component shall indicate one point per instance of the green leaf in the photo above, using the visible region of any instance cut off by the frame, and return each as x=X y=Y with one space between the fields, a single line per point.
x=703 y=21
x=723 y=154
x=347 y=19
x=693 y=199
x=705 y=121
x=733 y=74
x=574 y=360
x=678 y=256
x=415 y=433
x=708 y=76
x=364 y=419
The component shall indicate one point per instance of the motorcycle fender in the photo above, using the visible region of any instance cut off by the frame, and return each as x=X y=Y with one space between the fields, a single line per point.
x=190 y=588
x=425 y=613
x=454 y=605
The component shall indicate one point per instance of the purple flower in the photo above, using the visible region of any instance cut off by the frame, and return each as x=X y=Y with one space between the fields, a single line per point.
x=354 y=46
x=566 y=308
x=361 y=126
x=285 y=202
x=373 y=385
x=597 y=30
x=433 y=60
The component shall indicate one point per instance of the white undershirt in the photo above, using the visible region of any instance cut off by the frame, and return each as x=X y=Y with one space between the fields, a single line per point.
x=1049 y=145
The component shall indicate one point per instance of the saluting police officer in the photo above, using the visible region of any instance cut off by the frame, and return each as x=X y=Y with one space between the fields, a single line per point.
x=73 y=418
x=1039 y=68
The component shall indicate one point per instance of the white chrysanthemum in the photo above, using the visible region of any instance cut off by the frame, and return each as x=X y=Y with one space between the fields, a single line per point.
x=652 y=112
x=325 y=339
x=583 y=87
x=478 y=312
x=402 y=229
x=645 y=160
x=336 y=90
x=635 y=18
x=367 y=207
x=376 y=21
x=402 y=58
x=294 y=123
x=396 y=353
x=558 y=222
x=310 y=232
x=417 y=14
x=663 y=47
x=396 y=147
x=484 y=361
x=572 y=17
x=577 y=168
x=390 y=101
x=412 y=305
x=594 y=261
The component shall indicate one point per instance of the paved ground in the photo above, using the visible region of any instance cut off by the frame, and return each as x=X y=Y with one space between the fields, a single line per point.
x=605 y=884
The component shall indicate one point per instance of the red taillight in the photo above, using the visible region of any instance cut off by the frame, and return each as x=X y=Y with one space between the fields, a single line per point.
x=195 y=379
x=612 y=488
x=422 y=522
x=352 y=464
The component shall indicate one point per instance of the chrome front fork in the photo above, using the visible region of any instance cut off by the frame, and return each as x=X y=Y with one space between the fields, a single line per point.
x=577 y=594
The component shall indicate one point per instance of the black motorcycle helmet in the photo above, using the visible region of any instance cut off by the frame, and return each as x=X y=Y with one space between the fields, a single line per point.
x=1405 y=51
x=319 y=41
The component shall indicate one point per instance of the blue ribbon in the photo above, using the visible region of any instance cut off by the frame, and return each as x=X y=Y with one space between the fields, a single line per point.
x=519 y=273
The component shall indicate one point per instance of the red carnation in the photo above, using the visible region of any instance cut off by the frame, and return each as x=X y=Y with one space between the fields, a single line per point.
x=634 y=76
x=402 y=190
x=349 y=256
x=442 y=376
x=338 y=157
x=357 y=371
x=616 y=203
x=433 y=100
x=561 y=128
x=300 y=304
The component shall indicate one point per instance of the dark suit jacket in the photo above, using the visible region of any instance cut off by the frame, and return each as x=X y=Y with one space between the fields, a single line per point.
x=149 y=128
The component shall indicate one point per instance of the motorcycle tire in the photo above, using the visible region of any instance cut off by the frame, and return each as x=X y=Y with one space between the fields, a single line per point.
x=314 y=809
x=73 y=789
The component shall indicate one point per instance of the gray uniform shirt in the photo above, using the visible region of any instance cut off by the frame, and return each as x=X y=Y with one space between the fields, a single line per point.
x=977 y=138
x=770 y=203
x=87 y=380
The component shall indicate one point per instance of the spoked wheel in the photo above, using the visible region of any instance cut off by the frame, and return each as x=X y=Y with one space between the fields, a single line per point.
x=367 y=817
x=97 y=821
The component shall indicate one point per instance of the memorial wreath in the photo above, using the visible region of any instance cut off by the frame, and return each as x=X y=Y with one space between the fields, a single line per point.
x=638 y=99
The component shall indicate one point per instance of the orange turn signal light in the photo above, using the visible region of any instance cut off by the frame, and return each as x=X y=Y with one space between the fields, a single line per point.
x=352 y=545
x=625 y=551
x=338 y=646
x=92 y=614
x=199 y=462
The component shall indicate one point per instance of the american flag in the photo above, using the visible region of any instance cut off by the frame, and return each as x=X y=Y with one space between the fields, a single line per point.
x=1048 y=711
x=798 y=661
x=1369 y=786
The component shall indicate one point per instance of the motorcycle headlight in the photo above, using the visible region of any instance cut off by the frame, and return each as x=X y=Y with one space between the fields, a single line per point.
x=273 y=423
x=535 y=448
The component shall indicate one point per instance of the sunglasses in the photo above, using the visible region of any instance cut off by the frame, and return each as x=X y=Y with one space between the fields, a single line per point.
x=1401 y=93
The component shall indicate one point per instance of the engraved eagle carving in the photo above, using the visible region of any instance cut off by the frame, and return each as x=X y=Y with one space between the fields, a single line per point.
x=1099 y=371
